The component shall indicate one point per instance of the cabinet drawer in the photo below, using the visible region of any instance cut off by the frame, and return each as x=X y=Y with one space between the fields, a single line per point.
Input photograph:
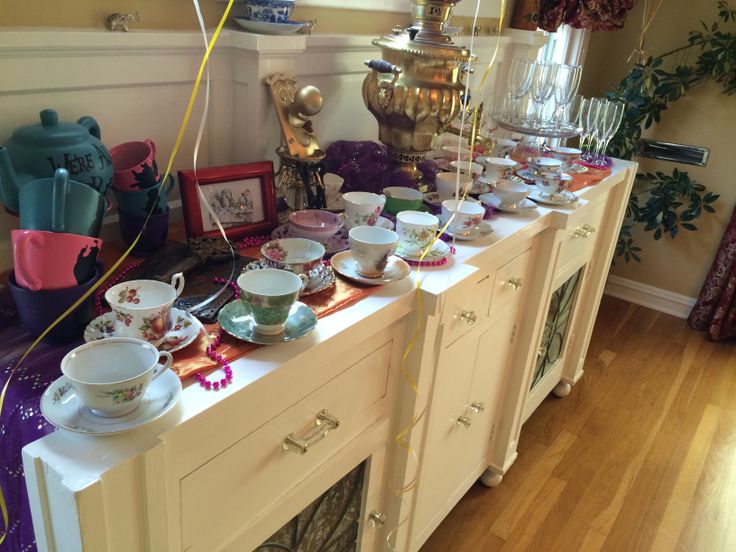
x=580 y=236
x=232 y=489
x=508 y=284
x=465 y=306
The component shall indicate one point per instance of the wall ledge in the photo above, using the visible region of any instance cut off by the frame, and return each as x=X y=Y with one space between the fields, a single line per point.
x=648 y=296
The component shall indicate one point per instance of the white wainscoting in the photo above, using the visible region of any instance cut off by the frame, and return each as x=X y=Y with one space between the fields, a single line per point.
x=137 y=85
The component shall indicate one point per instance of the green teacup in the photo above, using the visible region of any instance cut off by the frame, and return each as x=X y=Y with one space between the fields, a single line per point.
x=268 y=296
x=399 y=198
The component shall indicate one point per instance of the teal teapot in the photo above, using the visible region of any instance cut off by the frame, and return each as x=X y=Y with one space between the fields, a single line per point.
x=36 y=151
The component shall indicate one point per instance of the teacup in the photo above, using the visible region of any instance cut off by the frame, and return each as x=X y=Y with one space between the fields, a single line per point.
x=451 y=153
x=53 y=260
x=271 y=11
x=503 y=147
x=134 y=165
x=568 y=156
x=551 y=183
x=297 y=255
x=416 y=230
x=315 y=224
x=446 y=184
x=400 y=198
x=363 y=208
x=371 y=247
x=111 y=375
x=143 y=307
x=468 y=215
x=139 y=203
x=468 y=168
x=153 y=231
x=268 y=295
x=544 y=164
x=499 y=167
x=60 y=204
x=510 y=191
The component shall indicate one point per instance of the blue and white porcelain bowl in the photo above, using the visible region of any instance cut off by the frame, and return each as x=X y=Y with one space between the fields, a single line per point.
x=270 y=11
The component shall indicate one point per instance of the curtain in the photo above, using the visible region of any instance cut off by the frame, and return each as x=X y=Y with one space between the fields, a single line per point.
x=593 y=15
x=715 y=310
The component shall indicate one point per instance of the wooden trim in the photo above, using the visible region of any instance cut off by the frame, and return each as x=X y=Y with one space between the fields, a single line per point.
x=648 y=296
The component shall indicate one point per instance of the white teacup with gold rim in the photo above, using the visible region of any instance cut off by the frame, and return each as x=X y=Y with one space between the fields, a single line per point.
x=499 y=167
x=371 y=247
x=467 y=216
x=362 y=208
x=111 y=375
x=143 y=307
x=416 y=230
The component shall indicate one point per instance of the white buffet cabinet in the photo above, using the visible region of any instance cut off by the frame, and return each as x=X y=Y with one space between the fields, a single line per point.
x=506 y=322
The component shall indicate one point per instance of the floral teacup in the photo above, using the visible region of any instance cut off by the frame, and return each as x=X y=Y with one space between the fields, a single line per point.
x=468 y=215
x=112 y=375
x=416 y=230
x=371 y=247
x=363 y=208
x=268 y=295
x=297 y=255
x=143 y=307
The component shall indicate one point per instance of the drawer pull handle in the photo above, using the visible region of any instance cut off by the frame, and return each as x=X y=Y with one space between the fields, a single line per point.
x=583 y=232
x=323 y=424
x=376 y=519
x=477 y=407
x=514 y=283
x=464 y=422
x=469 y=317
x=588 y=228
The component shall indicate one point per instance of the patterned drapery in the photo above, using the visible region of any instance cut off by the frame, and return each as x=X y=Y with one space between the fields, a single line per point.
x=593 y=15
x=715 y=310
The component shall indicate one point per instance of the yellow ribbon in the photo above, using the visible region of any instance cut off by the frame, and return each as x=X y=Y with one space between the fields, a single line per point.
x=116 y=265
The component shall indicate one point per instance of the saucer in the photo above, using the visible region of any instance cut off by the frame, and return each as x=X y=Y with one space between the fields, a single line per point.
x=440 y=250
x=320 y=278
x=480 y=186
x=564 y=198
x=63 y=408
x=495 y=202
x=337 y=242
x=383 y=222
x=526 y=174
x=345 y=265
x=235 y=321
x=266 y=27
x=483 y=229
x=184 y=329
x=577 y=169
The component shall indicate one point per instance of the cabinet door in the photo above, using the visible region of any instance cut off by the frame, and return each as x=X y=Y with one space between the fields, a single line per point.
x=445 y=462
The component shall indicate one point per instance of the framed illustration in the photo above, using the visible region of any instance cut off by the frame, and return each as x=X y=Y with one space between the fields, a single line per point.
x=242 y=197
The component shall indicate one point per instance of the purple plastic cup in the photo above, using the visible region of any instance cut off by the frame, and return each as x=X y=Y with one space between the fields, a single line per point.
x=154 y=235
x=38 y=309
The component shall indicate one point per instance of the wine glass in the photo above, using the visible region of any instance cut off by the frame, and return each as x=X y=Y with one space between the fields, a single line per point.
x=591 y=121
x=582 y=120
x=519 y=80
x=566 y=87
x=543 y=83
x=613 y=121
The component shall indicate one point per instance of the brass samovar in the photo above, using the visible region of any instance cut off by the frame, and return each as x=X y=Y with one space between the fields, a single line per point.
x=414 y=91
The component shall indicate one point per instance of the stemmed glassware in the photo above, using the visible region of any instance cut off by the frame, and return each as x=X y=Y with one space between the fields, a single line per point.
x=543 y=84
x=519 y=81
x=566 y=86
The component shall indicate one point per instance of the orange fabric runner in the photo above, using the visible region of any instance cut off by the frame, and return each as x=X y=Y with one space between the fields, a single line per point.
x=193 y=359
x=588 y=178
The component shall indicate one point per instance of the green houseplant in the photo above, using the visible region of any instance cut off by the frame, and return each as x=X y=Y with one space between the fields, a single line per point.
x=665 y=203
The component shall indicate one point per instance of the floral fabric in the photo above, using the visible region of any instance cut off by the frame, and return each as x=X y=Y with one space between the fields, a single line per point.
x=593 y=15
x=715 y=310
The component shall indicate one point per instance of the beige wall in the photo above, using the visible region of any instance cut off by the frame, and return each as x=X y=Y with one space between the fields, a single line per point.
x=179 y=14
x=705 y=117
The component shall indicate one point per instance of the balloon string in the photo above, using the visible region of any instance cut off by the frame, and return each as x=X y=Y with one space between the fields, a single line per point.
x=126 y=253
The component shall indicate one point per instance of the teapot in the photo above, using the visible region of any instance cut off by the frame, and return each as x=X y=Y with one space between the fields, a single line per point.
x=37 y=151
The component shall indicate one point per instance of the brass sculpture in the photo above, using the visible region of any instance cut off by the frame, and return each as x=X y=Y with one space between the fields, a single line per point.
x=414 y=91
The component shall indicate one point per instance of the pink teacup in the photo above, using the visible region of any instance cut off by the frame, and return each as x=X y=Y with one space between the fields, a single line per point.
x=315 y=224
x=134 y=165
x=53 y=260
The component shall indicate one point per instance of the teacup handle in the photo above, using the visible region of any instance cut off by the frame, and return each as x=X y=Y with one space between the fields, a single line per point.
x=163 y=366
x=151 y=145
x=305 y=280
x=343 y=219
x=58 y=200
x=35 y=241
x=177 y=282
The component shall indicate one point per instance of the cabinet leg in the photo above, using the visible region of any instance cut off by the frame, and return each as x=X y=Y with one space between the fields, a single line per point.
x=561 y=390
x=491 y=479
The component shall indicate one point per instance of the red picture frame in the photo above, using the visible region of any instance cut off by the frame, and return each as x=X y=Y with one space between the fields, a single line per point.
x=242 y=196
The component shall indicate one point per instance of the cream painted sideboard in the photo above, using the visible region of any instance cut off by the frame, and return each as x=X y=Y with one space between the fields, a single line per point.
x=214 y=474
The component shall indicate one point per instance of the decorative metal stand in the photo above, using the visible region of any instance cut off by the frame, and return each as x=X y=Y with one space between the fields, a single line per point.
x=301 y=182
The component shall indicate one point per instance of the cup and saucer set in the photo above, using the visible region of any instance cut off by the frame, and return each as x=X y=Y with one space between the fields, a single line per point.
x=269 y=17
x=144 y=309
x=551 y=182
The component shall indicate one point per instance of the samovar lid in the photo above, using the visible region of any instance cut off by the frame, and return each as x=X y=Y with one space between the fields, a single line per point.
x=406 y=42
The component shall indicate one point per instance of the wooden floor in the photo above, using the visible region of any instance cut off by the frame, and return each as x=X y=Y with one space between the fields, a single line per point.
x=640 y=456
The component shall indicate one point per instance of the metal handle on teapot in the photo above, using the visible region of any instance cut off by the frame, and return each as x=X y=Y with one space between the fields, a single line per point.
x=383 y=66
